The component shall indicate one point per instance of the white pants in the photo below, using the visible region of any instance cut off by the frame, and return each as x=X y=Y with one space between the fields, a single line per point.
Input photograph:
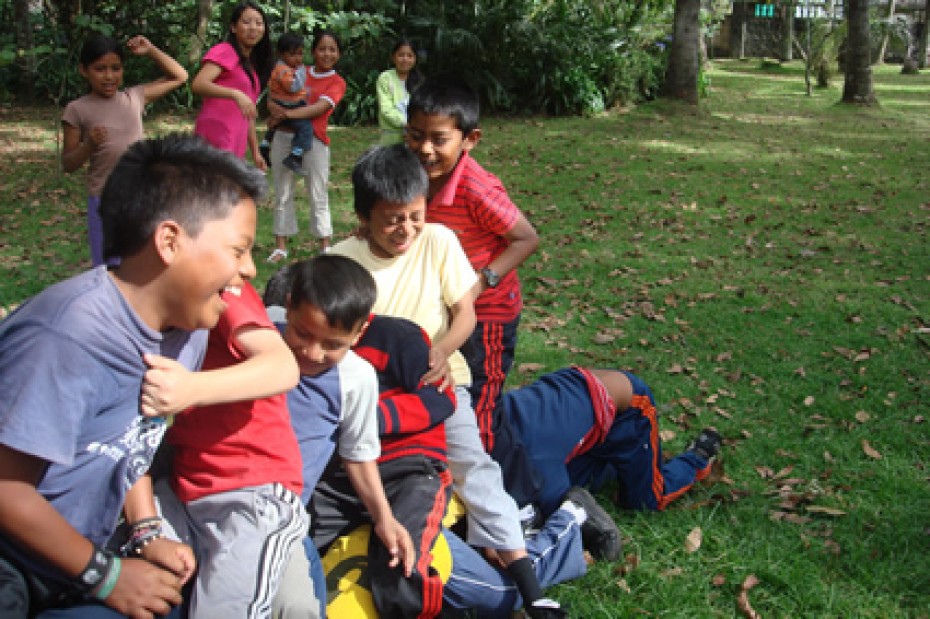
x=316 y=178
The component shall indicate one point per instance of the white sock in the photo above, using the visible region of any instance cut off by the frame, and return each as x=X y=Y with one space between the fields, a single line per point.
x=577 y=511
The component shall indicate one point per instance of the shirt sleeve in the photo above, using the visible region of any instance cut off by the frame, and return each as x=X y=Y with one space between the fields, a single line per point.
x=334 y=90
x=387 y=104
x=493 y=210
x=399 y=351
x=243 y=310
x=223 y=55
x=458 y=276
x=44 y=404
x=71 y=115
x=358 y=427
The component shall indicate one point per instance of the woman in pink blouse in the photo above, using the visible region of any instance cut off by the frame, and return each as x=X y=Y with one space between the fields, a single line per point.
x=231 y=76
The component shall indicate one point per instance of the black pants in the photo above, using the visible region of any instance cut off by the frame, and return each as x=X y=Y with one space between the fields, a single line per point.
x=418 y=490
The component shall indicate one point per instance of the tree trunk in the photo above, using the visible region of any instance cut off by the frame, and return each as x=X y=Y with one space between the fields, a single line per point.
x=26 y=59
x=787 y=33
x=738 y=30
x=198 y=40
x=922 y=47
x=886 y=34
x=682 y=75
x=857 y=87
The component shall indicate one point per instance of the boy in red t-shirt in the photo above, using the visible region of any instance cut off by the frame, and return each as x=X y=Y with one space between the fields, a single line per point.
x=442 y=129
x=236 y=471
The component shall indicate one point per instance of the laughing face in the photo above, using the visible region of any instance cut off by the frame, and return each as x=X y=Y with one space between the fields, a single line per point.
x=438 y=143
x=217 y=261
x=393 y=227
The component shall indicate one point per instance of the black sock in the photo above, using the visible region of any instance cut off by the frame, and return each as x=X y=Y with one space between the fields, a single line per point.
x=522 y=573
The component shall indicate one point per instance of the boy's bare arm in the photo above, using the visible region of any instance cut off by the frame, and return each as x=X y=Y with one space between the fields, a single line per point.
x=30 y=522
x=522 y=242
x=366 y=480
x=461 y=326
x=269 y=369
x=173 y=556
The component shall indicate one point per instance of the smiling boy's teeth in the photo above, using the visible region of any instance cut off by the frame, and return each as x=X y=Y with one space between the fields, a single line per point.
x=236 y=290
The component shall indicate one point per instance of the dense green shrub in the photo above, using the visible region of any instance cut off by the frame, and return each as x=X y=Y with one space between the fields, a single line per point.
x=524 y=56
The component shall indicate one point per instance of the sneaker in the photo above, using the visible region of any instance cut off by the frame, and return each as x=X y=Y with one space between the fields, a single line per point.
x=599 y=533
x=545 y=609
x=706 y=445
x=293 y=163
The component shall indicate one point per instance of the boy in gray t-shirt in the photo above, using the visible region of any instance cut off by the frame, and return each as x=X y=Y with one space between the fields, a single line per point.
x=73 y=445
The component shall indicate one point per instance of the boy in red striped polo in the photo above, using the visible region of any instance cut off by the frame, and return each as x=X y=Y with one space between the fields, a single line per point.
x=442 y=129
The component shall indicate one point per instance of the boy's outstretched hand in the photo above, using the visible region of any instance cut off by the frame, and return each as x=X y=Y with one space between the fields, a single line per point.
x=397 y=540
x=168 y=387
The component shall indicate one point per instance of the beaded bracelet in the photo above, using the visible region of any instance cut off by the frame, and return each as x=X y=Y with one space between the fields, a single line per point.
x=143 y=533
x=109 y=583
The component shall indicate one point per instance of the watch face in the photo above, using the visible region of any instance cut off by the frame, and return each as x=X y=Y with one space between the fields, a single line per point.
x=492 y=278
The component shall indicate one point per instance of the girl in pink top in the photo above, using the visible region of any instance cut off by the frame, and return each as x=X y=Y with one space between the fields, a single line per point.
x=231 y=77
x=101 y=125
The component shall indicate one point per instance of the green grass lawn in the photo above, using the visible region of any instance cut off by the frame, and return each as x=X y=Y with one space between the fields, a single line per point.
x=762 y=262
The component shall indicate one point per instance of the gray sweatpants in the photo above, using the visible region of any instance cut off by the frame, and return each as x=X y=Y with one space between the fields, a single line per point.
x=493 y=516
x=243 y=539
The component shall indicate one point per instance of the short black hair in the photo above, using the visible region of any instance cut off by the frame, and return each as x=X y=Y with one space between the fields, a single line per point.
x=447 y=94
x=178 y=177
x=279 y=286
x=342 y=289
x=289 y=42
x=391 y=173
x=97 y=46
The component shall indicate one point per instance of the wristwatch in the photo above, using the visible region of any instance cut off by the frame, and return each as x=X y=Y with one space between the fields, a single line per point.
x=492 y=278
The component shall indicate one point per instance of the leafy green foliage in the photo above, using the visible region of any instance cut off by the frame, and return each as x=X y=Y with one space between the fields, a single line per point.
x=557 y=57
x=761 y=261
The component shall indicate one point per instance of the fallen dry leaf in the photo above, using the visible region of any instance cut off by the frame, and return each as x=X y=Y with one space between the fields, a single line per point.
x=526 y=368
x=630 y=563
x=809 y=400
x=870 y=451
x=765 y=472
x=622 y=584
x=674 y=571
x=742 y=600
x=784 y=472
x=826 y=511
x=694 y=539
x=862 y=416
x=719 y=580
x=832 y=547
